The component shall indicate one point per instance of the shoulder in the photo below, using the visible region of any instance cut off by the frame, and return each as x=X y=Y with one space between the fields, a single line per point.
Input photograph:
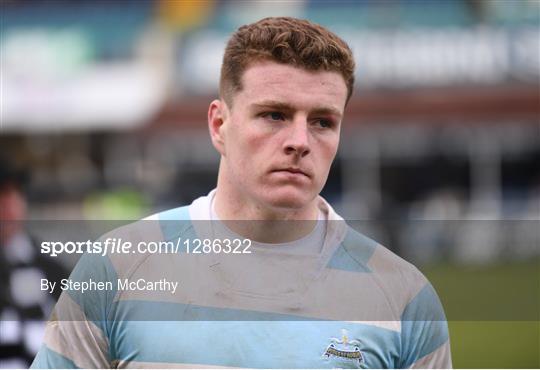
x=117 y=254
x=358 y=252
x=160 y=227
x=368 y=261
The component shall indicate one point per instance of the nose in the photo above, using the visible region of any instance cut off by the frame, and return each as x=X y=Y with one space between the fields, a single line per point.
x=297 y=140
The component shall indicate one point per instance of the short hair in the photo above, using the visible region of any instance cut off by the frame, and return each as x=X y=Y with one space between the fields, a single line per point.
x=286 y=40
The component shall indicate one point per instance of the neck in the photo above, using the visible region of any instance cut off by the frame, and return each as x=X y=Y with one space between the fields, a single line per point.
x=253 y=220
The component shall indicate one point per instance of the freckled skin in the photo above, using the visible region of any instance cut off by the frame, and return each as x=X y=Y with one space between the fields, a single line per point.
x=277 y=141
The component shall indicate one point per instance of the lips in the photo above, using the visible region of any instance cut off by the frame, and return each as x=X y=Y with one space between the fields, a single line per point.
x=293 y=170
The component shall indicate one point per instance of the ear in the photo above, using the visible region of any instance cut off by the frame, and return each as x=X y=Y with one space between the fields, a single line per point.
x=217 y=116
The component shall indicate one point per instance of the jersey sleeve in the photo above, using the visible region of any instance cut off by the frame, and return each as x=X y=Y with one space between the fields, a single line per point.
x=424 y=332
x=76 y=334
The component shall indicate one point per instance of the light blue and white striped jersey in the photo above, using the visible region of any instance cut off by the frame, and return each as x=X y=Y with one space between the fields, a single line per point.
x=353 y=304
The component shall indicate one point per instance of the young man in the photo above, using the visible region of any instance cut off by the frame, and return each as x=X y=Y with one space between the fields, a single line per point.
x=282 y=281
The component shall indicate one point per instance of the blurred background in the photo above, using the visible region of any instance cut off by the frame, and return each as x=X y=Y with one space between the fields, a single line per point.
x=103 y=116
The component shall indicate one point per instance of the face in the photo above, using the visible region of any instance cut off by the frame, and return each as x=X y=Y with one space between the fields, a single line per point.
x=12 y=211
x=280 y=136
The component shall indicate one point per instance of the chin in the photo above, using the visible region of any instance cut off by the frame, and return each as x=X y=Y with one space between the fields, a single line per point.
x=288 y=199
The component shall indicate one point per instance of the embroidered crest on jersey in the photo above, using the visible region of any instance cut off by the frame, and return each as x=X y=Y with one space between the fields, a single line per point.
x=344 y=350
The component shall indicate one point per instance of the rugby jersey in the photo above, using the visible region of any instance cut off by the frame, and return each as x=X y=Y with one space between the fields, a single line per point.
x=352 y=305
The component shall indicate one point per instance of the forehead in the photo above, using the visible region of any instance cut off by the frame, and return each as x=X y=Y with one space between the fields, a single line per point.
x=292 y=85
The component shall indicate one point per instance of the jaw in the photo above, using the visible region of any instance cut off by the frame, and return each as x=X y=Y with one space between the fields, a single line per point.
x=289 y=198
x=272 y=202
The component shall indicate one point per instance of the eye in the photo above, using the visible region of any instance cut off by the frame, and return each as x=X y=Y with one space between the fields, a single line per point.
x=324 y=123
x=274 y=116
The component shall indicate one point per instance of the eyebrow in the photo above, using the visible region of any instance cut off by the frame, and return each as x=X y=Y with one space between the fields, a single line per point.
x=285 y=107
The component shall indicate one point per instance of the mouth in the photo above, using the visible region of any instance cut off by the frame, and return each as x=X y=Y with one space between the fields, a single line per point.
x=293 y=171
